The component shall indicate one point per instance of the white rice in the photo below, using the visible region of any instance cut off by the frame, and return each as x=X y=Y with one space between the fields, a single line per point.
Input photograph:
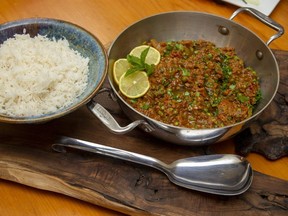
x=39 y=76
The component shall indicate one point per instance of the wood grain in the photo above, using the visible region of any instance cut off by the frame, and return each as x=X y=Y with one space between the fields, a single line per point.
x=106 y=19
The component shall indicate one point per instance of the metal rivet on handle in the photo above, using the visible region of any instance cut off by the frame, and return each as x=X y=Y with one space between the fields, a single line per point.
x=259 y=55
x=223 y=30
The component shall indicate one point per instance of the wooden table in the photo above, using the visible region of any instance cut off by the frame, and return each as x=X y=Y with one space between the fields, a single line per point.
x=106 y=19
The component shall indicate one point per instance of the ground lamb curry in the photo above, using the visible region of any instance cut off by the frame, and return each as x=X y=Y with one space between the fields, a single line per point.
x=198 y=85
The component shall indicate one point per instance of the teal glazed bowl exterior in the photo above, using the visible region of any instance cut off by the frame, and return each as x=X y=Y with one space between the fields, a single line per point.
x=80 y=40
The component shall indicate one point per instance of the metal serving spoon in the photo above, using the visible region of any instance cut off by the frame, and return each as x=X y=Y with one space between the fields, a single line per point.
x=223 y=174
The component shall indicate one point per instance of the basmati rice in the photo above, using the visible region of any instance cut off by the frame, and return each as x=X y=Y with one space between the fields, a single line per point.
x=39 y=76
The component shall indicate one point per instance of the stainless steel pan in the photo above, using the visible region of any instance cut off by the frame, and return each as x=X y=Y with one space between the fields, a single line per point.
x=191 y=26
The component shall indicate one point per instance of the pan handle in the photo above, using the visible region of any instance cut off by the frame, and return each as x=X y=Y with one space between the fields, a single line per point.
x=264 y=19
x=109 y=121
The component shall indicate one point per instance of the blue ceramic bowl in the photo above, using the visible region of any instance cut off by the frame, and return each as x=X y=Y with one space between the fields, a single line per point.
x=80 y=40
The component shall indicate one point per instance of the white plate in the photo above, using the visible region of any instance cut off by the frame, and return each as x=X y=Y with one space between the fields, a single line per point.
x=265 y=6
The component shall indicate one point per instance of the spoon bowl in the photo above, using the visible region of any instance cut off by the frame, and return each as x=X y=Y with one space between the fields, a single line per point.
x=224 y=174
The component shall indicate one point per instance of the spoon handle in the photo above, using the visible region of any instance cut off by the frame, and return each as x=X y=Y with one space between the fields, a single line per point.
x=106 y=150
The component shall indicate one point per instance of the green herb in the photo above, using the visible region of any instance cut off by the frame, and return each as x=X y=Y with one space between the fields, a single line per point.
x=179 y=46
x=170 y=92
x=227 y=71
x=186 y=93
x=145 y=106
x=224 y=86
x=138 y=64
x=164 y=81
x=236 y=58
x=185 y=72
x=168 y=49
x=232 y=86
x=134 y=100
x=242 y=98
x=259 y=95
x=216 y=101
x=216 y=112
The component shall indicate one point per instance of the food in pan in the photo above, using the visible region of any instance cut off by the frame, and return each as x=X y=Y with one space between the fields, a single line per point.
x=39 y=76
x=197 y=85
